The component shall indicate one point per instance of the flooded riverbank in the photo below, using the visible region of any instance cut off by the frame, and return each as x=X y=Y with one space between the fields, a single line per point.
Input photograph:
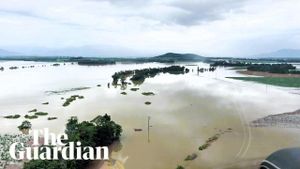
x=185 y=111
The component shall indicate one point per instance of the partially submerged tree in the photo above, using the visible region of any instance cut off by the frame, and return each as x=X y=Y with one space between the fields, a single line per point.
x=25 y=127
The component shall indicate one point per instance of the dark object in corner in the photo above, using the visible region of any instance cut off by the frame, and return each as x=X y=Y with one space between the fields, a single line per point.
x=288 y=158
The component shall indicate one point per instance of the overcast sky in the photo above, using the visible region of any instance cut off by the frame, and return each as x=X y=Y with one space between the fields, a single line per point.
x=146 y=27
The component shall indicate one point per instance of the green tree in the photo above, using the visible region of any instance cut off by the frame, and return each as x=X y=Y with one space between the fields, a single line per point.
x=101 y=131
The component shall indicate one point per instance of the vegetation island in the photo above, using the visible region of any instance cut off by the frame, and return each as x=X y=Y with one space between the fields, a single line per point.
x=101 y=131
x=283 y=68
x=148 y=94
x=71 y=99
x=16 y=116
x=138 y=76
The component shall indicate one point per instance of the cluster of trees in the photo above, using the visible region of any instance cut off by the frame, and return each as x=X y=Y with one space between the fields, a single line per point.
x=139 y=75
x=272 y=68
x=230 y=63
x=16 y=116
x=101 y=131
x=71 y=99
x=88 y=62
x=13 y=67
x=210 y=69
x=122 y=75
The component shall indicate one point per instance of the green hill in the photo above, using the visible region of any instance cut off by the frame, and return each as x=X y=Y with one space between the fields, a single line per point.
x=176 y=57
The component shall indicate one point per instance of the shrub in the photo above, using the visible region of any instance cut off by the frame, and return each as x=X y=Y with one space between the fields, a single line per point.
x=41 y=113
x=12 y=116
x=148 y=94
x=31 y=116
x=25 y=125
x=179 y=167
x=33 y=110
x=147 y=103
x=101 y=131
x=52 y=118
x=71 y=99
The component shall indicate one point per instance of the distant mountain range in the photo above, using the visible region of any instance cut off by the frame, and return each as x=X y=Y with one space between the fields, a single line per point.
x=283 y=53
x=85 y=51
x=165 y=58
x=112 y=51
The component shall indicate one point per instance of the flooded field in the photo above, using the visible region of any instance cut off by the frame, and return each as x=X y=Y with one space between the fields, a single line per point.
x=185 y=111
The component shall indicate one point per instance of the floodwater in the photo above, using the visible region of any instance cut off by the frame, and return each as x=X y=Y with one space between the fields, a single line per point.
x=186 y=110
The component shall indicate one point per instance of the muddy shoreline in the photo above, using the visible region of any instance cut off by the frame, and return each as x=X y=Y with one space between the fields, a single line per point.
x=284 y=120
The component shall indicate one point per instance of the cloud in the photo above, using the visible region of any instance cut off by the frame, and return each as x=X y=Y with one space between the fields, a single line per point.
x=201 y=11
x=21 y=14
x=215 y=27
x=126 y=3
x=186 y=13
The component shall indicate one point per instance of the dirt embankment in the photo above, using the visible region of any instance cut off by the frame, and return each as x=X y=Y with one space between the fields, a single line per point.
x=266 y=74
x=285 y=120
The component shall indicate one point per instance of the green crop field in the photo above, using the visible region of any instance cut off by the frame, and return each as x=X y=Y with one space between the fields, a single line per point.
x=277 y=81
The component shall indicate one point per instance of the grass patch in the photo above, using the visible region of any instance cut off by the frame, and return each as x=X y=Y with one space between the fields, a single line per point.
x=31 y=116
x=124 y=93
x=71 y=99
x=276 y=81
x=32 y=111
x=134 y=89
x=191 y=157
x=41 y=113
x=179 y=167
x=52 y=118
x=45 y=103
x=56 y=64
x=148 y=94
x=209 y=141
x=12 y=116
x=204 y=146
x=213 y=139
x=147 y=103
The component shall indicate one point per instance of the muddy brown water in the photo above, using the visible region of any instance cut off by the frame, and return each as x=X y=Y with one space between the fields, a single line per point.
x=186 y=110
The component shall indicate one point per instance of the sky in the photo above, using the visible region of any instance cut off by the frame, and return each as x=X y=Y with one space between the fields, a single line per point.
x=149 y=27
